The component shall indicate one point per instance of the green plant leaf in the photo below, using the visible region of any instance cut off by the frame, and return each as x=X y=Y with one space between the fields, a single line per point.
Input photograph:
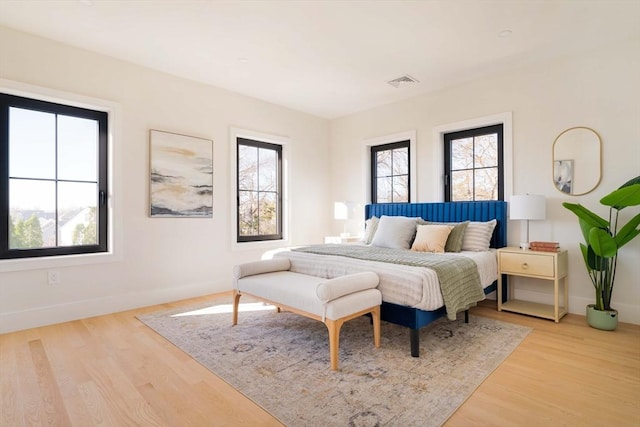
x=628 y=232
x=595 y=262
x=585 y=227
x=586 y=215
x=602 y=243
x=632 y=181
x=585 y=255
x=623 y=197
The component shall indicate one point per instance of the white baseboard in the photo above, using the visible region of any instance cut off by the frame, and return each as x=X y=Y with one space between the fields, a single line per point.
x=49 y=315
x=52 y=314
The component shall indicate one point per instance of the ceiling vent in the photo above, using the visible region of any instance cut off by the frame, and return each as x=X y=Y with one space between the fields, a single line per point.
x=402 y=81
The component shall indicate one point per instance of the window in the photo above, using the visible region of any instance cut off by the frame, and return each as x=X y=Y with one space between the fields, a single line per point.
x=53 y=179
x=390 y=173
x=473 y=164
x=259 y=190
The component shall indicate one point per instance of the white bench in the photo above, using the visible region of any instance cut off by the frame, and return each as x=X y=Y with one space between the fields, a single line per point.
x=331 y=301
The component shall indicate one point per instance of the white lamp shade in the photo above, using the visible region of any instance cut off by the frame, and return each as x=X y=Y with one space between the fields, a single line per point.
x=529 y=206
x=340 y=210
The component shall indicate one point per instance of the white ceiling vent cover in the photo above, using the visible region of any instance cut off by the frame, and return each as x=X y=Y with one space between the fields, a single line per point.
x=401 y=81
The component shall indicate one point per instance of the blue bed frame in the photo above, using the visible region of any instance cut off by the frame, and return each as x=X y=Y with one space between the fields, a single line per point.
x=414 y=318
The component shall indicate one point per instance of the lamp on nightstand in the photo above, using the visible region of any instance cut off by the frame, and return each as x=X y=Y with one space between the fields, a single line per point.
x=341 y=212
x=527 y=207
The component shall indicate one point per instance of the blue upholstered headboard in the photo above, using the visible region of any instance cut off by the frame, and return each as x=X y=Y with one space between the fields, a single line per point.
x=449 y=212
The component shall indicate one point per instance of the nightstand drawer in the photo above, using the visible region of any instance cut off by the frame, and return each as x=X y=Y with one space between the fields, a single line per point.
x=527 y=264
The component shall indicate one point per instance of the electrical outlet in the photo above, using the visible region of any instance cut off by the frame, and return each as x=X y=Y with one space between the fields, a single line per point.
x=54 y=277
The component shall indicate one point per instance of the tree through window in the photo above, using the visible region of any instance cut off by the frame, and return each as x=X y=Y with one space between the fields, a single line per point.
x=53 y=179
x=390 y=173
x=474 y=164
x=259 y=195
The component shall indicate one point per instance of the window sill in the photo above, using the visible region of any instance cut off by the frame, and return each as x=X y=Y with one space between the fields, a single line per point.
x=264 y=245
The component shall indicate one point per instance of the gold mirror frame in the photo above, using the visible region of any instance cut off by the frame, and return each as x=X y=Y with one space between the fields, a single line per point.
x=581 y=162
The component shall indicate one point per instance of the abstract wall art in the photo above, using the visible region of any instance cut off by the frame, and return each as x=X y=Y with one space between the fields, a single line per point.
x=181 y=178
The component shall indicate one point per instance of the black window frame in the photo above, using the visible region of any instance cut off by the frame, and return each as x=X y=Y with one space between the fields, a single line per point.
x=467 y=133
x=278 y=148
x=375 y=149
x=102 y=117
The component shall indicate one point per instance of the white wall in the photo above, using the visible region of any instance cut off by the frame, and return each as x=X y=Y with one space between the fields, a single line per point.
x=161 y=259
x=599 y=89
x=169 y=259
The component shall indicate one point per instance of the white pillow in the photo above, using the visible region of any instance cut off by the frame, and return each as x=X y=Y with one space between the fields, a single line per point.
x=394 y=232
x=431 y=238
x=477 y=236
x=370 y=227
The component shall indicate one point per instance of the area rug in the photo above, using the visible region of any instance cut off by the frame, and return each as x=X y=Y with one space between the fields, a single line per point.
x=281 y=362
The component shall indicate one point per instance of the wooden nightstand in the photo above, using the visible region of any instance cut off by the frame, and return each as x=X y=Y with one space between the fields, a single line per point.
x=539 y=265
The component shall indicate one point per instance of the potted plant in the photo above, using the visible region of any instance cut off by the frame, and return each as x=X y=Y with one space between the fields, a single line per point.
x=603 y=240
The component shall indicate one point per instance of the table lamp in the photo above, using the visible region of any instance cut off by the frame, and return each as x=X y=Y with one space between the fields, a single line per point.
x=341 y=212
x=527 y=207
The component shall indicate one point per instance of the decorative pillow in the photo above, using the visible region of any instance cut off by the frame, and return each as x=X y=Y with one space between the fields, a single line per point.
x=454 y=241
x=431 y=238
x=477 y=236
x=370 y=227
x=394 y=232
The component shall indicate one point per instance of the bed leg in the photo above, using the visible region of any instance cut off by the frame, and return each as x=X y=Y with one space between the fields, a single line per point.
x=414 y=336
x=466 y=316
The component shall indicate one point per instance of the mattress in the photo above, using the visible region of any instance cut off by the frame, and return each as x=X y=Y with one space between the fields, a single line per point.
x=416 y=287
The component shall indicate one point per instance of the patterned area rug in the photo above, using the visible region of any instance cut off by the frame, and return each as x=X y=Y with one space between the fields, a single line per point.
x=281 y=362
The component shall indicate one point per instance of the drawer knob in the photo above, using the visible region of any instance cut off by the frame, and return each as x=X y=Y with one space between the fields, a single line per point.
x=525 y=265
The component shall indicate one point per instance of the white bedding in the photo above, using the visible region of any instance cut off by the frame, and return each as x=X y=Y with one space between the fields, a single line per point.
x=416 y=287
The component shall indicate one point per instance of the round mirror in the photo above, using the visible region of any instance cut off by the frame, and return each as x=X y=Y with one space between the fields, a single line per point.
x=576 y=161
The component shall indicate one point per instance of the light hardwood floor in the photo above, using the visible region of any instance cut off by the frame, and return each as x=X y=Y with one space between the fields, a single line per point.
x=112 y=370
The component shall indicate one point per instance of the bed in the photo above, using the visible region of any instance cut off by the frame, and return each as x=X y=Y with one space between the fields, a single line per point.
x=399 y=305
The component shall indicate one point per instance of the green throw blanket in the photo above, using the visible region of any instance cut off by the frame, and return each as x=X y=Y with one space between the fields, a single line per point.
x=459 y=279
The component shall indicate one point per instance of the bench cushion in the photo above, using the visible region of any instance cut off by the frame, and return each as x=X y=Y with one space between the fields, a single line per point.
x=300 y=291
x=344 y=285
x=260 y=267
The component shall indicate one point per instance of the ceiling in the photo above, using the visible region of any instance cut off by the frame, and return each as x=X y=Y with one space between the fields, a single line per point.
x=329 y=58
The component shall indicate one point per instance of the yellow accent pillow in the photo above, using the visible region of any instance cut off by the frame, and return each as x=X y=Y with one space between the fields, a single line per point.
x=431 y=238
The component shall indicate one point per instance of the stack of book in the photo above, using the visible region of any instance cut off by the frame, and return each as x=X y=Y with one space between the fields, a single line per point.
x=545 y=246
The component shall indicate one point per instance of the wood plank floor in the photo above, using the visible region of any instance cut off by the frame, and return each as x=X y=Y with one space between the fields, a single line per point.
x=114 y=371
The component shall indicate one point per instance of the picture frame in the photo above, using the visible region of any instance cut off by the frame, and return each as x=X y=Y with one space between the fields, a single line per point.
x=563 y=175
x=181 y=175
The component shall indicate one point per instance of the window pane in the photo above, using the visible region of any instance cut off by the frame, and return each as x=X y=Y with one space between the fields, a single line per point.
x=31 y=144
x=77 y=149
x=486 y=151
x=486 y=184
x=401 y=161
x=268 y=214
x=383 y=190
x=462 y=153
x=247 y=168
x=401 y=189
x=248 y=213
x=31 y=214
x=259 y=176
x=268 y=180
x=383 y=163
x=77 y=204
x=462 y=186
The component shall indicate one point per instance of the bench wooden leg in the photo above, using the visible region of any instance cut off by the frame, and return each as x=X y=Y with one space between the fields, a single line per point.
x=334 y=334
x=334 y=340
x=375 y=318
x=236 y=302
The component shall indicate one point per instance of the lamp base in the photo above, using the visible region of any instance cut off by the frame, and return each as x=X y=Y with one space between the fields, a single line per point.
x=524 y=246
